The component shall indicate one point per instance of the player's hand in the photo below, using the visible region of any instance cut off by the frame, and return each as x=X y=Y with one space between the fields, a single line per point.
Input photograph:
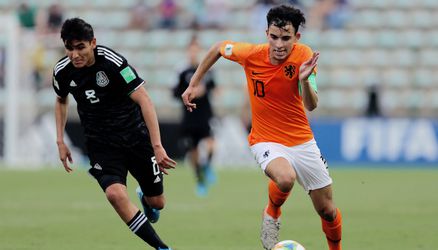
x=64 y=156
x=188 y=97
x=163 y=161
x=308 y=66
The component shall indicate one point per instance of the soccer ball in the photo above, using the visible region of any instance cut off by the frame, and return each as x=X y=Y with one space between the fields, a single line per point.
x=288 y=245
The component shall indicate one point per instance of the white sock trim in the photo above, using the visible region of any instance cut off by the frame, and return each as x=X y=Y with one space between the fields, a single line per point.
x=138 y=222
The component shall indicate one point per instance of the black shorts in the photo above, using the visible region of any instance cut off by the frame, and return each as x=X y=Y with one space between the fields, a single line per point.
x=111 y=164
x=192 y=135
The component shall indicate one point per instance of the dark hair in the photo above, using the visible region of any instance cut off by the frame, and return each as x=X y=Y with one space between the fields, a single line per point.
x=76 y=29
x=283 y=15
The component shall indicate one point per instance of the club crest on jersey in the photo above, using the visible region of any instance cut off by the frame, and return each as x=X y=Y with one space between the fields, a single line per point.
x=101 y=79
x=289 y=70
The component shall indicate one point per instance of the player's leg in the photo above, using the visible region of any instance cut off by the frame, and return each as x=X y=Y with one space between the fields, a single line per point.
x=115 y=190
x=201 y=185
x=151 y=205
x=210 y=175
x=201 y=182
x=271 y=158
x=282 y=177
x=137 y=222
x=144 y=168
x=117 y=196
x=197 y=168
x=312 y=173
x=109 y=169
x=210 y=147
x=331 y=217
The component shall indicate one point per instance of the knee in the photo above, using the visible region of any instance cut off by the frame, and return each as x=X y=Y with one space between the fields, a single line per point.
x=285 y=183
x=156 y=202
x=328 y=213
x=115 y=195
x=158 y=205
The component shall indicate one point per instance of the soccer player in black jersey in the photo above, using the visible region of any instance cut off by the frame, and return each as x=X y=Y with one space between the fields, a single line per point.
x=195 y=126
x=119 y=121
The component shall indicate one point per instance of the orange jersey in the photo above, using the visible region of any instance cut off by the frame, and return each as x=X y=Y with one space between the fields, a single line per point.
x=277 y=109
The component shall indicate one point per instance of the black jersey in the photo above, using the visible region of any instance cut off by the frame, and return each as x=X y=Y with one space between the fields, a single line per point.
x=203 y=112
x=101 y=91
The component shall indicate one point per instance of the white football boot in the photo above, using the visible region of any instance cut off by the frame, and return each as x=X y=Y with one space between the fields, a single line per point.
x=269 y=231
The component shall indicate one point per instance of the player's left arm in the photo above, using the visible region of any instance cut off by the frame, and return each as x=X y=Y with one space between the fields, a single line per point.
x=133 y=86
x=307 y=78
x=61 y=110
x=141 y=97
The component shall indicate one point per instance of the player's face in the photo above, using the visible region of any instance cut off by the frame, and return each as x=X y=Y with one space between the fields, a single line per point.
x=193 y=53
x=281 y=41
x=81 y=53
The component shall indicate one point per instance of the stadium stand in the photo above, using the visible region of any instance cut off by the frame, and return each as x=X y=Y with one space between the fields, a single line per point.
x=393 y=43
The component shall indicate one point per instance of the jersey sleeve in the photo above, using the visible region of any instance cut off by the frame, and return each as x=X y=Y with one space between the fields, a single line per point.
x=59 y=88
x=235 y=51
x=124 y=74
x=129 y=78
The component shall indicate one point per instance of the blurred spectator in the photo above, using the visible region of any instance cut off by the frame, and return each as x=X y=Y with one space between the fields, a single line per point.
x=338 y=16
x=196 y=10
x=329 y=14
x=258 y=14
x=2 y=67
x=208 y=14
x=55 y=17
x=38 y=68
x=168 y=14
x=27 y=15
x=373 y=107
x=295 y=3
x=140 y=16
x=216 y=13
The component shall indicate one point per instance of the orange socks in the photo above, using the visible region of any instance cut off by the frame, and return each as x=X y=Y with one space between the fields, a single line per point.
x=276 y=199
x=333 y=231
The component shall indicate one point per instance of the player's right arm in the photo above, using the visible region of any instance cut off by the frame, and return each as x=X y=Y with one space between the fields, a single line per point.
x=207 y=62
x=61 y=105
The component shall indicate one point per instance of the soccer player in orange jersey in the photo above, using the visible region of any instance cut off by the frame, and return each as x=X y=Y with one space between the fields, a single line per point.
x=281 y=85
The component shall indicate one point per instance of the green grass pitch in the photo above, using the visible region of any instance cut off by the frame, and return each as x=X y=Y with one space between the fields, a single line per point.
x=388 y=209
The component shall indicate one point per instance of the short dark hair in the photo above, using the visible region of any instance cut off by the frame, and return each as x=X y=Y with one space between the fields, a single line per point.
x=283 y=15
x=76 y=29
